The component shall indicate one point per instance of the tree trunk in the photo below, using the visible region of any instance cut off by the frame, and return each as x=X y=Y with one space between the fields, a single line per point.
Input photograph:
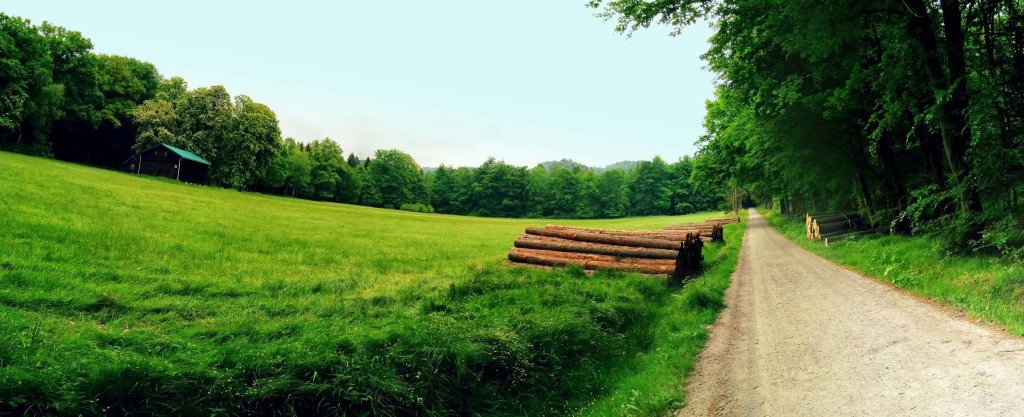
x=826 y=228
x=565 y=245
x=594 y=257
x=952 y=102
x=708 y=232
x=547 y=258
x=829 y=218
x=607 y=239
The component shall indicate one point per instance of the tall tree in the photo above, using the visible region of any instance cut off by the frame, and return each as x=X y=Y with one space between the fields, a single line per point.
x=444 y=191
x=204 y=119
x=299 y=169
x=328 y=169
x=30 y=100
x=649 y=188
x=252 y=141
x=499 y=189
x=539 y=194
x=397 y=177
x=612 y=199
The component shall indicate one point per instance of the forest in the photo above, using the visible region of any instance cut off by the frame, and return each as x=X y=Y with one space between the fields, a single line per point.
x=908 y=111
x=61 y=99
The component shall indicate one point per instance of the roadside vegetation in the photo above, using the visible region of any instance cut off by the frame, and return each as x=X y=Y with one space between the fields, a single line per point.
x=655 y=380
x=129 y=295
x=983 y=285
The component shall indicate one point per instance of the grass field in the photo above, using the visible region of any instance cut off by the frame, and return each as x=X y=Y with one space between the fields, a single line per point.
x=983 y=286
x=132 y=295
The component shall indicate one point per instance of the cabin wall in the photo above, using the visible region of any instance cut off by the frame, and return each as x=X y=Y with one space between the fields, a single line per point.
x=193 y=172
x=161 y=162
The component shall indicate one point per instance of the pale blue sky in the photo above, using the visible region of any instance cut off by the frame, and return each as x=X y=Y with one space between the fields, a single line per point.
x=451 y=81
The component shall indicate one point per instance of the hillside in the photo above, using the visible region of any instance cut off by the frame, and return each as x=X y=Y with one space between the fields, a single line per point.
x=570 y=164
x=132 y=295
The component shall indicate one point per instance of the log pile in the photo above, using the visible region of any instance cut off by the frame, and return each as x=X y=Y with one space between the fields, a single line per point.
x=830 y=225
x=656 y=252
x=711 y=229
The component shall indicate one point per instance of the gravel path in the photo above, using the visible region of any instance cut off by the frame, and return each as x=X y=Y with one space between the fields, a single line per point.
x=802 y=336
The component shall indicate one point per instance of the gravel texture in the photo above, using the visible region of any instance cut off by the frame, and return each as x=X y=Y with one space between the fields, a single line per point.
x=801 y=336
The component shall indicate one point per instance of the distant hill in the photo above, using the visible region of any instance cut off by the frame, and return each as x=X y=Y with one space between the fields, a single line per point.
x=563 y=163
x=570 y=164
x=623 y=165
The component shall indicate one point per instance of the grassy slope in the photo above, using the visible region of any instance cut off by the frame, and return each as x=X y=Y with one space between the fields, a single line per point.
x=983 y=286
x=122 y=293
x=654 y=381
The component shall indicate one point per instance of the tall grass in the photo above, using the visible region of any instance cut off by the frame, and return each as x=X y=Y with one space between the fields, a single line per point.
x=983 y=285
x=127 y=295
x=653 y=381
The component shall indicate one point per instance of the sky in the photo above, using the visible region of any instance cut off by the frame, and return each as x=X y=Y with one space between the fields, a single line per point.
x=451 y=81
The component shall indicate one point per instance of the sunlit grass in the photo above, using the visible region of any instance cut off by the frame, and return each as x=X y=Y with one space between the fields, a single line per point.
x=654 y=381
x=126 y=294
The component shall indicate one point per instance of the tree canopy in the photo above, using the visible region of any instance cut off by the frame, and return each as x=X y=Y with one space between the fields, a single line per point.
x=904 y=110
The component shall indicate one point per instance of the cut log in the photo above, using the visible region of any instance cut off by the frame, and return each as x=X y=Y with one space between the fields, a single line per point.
x=853 y=221
x=565 y=245
x=595 y=231
x=837 y=233
x=607 y=239
x=835 y=217
x=675 y=235
x=528 y=257
x=695 y=226
x=822 y=224
x=808 y=221
x=683 y=230
x=832 y=239
x=825 y=228
x=707 y=237
x=595 y=257
x=681 y=234
x=819 y=229
x=690 y=257
x=715 y=233
x=811 y=216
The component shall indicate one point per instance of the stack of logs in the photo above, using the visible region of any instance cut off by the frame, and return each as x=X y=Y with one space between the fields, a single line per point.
x=711 y=228
x=832 y=225
x=676 y=252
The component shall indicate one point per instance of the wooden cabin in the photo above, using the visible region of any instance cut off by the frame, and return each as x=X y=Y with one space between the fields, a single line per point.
x=167 y=161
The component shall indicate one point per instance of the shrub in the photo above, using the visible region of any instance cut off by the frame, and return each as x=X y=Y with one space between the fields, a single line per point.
x=417 y=207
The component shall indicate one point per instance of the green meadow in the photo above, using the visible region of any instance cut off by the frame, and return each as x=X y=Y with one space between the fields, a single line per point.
x=129 y=295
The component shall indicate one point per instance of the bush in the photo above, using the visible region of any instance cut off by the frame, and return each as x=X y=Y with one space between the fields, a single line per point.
x=417 y=207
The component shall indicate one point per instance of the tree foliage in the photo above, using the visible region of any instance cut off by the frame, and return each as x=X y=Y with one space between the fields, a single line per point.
x=903 y=110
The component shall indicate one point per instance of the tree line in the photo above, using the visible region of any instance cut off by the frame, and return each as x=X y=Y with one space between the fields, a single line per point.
x=58 y=98
x=498 y=189
x=908 y=111
x=392 y=179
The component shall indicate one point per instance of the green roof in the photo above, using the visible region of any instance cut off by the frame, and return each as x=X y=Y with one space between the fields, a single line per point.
x=184 y=154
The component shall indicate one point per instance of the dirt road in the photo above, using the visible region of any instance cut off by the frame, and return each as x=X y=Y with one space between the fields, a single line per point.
x=801 y=336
